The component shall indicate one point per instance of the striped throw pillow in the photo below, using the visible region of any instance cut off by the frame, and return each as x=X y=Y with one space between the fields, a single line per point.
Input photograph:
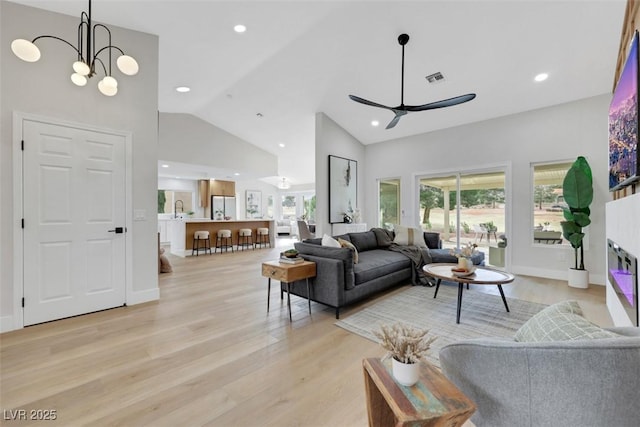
x=409 y=236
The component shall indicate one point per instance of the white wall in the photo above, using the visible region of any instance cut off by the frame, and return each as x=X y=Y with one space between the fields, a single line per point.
x=44 y=88
x=623 y=227
x=561 y=132
x=331 y=139
x=187 y=139
x=266 y=190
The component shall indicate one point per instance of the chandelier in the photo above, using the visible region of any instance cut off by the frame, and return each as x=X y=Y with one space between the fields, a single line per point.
x=88 y=55
x=284 y=185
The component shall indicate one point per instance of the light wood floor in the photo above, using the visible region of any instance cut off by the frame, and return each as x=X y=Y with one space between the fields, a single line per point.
x=208 y=354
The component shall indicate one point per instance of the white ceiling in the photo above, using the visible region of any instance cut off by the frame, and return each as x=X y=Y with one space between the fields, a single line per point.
x=301 y=57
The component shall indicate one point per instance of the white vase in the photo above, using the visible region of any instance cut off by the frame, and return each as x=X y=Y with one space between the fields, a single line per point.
x=406 y=374
x=465 y=263
x=578 y=278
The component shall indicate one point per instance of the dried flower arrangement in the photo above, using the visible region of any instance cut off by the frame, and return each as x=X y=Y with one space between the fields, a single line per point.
x=404 y=343
x=466 y=251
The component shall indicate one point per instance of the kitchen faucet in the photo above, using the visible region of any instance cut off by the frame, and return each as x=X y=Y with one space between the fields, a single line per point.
x=175 y=208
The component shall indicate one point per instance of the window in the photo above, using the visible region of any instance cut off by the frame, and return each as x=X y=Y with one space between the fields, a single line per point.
x=169 y=200
x=388 y=202
x=309 y=208
x=270 y=206
x=548 y=202
x=289 y=207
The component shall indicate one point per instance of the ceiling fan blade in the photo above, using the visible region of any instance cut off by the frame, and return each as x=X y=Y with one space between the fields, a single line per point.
x=396 y=119
x=443 y=103
x=366 y=102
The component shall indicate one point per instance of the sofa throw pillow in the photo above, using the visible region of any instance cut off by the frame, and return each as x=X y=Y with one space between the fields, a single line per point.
x=560 y=322
x=409 y=236
x=330 y=241
x=349 y=245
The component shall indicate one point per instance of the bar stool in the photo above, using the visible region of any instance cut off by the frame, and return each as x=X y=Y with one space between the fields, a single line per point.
x=223 y=241
x=245 y=239
x=262 y=237
x=201 y=236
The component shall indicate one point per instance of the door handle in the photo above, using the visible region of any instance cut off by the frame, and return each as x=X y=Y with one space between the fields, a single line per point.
x=117 y=230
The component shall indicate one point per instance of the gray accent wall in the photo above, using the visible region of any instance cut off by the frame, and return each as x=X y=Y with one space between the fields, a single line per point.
x=45 y=89
x=331 y=139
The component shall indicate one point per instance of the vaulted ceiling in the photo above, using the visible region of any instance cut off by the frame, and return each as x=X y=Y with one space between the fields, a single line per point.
x=301 y=57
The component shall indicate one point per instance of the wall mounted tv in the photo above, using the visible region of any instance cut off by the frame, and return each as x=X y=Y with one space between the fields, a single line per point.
x=624 y=167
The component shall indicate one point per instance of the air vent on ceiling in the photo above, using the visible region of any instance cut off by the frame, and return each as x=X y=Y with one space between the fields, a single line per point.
x=435 y=77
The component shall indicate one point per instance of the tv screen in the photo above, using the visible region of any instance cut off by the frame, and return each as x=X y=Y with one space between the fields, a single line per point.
x=623 y=124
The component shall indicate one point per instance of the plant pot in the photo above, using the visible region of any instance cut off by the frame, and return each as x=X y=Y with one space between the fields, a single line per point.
x=578 y=278
x=465 y=263
x=406 y=374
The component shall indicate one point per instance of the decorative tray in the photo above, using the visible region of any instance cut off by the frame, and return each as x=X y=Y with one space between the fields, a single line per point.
x=463 y=273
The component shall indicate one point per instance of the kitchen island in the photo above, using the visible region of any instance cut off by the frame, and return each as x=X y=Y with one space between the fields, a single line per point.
x=184 y=229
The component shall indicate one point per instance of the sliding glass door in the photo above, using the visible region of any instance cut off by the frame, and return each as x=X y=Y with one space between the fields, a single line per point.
x=466 y=207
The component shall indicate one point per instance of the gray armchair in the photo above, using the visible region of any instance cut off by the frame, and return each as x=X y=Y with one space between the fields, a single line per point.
x=304 y=232
x=561 y=383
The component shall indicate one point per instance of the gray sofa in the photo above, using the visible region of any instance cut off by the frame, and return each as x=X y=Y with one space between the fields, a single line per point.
x=339 y=281
x=561 y=383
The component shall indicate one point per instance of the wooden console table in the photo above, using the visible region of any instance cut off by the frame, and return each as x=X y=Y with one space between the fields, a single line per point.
x=433 y=401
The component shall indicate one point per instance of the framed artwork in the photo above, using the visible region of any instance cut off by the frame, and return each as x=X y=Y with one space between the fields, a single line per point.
x=253 y=204
x=270 y=206
x=343 y=188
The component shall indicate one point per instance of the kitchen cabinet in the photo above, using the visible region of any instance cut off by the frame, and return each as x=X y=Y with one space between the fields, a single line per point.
x=222 y=188
x=162 y=229
x=203 y=193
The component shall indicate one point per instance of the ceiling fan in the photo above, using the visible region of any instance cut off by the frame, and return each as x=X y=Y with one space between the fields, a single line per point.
x=402 y=109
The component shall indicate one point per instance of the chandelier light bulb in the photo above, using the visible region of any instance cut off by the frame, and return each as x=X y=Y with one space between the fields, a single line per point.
x=107 y=90
x=127 y=65
x=109 y=81
x=78 y=79
x=81 y=68
x=25 y=50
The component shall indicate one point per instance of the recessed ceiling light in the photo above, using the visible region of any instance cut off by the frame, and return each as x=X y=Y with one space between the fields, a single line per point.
x=183 y=89
x=165 y=166
x=281 y=145
x=541 y=77
x=236 y=174
x=374 y=123
x=239 y=28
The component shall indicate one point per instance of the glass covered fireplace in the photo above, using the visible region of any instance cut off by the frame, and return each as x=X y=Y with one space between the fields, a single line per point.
x=622 y=269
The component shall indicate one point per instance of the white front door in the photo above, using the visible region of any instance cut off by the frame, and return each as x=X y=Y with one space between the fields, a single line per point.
x=74 y=221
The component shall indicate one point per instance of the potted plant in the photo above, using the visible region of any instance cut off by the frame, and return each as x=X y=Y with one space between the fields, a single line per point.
x=464 y=255
x=577 y=190
x=406 y=346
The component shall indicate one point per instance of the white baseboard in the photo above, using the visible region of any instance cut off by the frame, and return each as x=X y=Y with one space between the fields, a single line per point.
x=139 y=297
x=6 y=324
x=594 y=279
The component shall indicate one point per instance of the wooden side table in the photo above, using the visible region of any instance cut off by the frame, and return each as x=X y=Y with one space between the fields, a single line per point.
x=287 y=273
x=432 y=401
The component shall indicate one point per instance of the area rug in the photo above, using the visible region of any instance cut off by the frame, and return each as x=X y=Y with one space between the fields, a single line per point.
x=482 y=315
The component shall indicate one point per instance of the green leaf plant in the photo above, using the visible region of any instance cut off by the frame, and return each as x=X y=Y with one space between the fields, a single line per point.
x=577 y=189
